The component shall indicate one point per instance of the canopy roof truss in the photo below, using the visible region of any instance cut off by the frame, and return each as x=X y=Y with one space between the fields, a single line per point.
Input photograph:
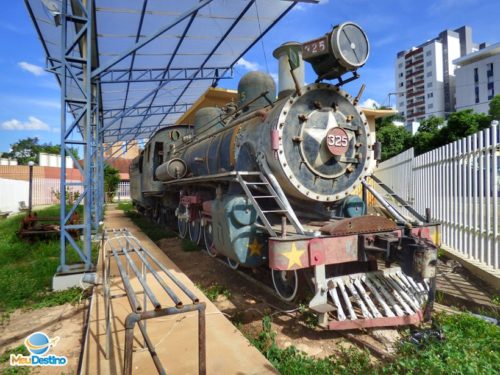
x=129 y=67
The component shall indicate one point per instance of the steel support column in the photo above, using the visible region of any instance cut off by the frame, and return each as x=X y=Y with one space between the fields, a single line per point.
x=84 y=126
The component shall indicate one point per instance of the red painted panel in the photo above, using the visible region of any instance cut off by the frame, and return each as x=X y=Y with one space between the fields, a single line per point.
x=333 y=250
x=190 y=199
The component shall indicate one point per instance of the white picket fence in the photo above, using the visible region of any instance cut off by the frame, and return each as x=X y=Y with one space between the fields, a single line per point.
x=123 y=191
x=460 y=183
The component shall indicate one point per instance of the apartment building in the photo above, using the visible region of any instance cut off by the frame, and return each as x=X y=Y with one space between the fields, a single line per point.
x=477 y=79
x=425 y=75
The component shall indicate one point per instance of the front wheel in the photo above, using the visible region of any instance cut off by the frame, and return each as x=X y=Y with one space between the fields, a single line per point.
x=286 y=284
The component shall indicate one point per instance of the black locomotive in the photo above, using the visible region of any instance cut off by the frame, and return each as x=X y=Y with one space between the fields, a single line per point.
x=274 y=182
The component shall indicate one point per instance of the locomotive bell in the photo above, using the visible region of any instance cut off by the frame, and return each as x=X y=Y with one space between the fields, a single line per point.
x=342 y=50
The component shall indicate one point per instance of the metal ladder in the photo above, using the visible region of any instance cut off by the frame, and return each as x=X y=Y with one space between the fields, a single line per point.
x=270 y=193
x=398 y=199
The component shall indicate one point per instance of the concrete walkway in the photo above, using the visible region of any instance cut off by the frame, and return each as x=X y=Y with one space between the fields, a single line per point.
x=175 y=337
x=455 y=288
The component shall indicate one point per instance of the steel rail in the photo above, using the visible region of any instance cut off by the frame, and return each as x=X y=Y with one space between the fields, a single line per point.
x=147 y=289
x=144 y=261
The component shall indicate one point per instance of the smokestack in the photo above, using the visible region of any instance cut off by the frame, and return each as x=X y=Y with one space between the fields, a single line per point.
x=286 y=85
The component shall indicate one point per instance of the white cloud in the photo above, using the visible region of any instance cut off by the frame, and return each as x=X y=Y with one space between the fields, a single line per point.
x=370 y=103
x=248 y=65
x=304 y=6
x=31 y=68
x=33 y=123
x=275 y=76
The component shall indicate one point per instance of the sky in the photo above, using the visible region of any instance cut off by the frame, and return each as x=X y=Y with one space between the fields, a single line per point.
x=30 y=97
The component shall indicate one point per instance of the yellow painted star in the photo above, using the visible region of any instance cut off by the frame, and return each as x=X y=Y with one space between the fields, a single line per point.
x=294 y=256
x=255 y=248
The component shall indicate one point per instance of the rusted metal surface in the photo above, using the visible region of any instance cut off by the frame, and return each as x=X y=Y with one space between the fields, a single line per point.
x=333 y=250
x=368 y=299
x=292 y=254
x=358 y=225
x=191 y=199
x=430 y=232
x=379 y=242
x=34 y=228
x=413 y=319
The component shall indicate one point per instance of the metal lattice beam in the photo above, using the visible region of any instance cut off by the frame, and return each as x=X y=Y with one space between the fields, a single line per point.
x=160 y=75
x=136 y=46
x=144 y=111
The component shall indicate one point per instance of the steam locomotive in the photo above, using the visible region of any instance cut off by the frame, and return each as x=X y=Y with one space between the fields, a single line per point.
x=274 y=182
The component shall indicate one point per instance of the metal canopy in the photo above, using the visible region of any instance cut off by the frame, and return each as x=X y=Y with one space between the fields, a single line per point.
x=129 y=67
x=144 y=89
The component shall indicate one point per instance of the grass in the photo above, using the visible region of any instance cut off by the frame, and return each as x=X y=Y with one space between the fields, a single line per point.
x=21 y=349
x=125 y=206
x=188 y=245
x=471 y=346
x=153 y=230
x=214 y=291
x=308 y=317
x=26 y=269
x=292 y=361
x=5 y=358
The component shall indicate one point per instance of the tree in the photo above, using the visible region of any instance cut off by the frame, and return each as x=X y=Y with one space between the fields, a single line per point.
x=24 y=150
x=461 y=124
x=389 y=120
x=494 y=111
x=394 y=140
x=28 y=149
x=431 y=124
x=427 y=136
x=111 y=181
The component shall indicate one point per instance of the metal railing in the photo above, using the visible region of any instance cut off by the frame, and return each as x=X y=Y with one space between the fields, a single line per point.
x=119 y=245
x=460 y=183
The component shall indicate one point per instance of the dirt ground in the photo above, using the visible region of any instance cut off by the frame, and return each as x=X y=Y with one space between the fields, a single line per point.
x=66 y=321
x=248 y=303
